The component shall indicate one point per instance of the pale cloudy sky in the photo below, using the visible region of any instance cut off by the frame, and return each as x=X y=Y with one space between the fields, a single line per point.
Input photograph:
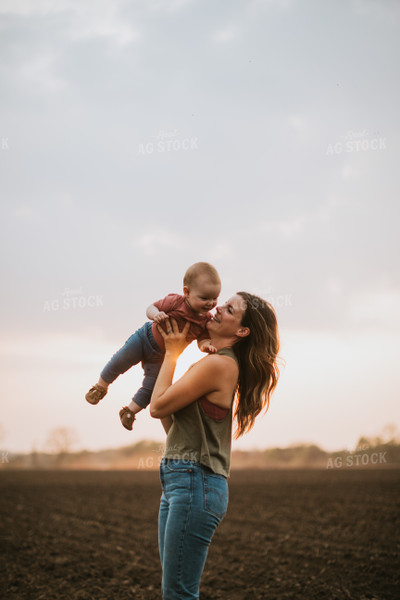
x=137 y=137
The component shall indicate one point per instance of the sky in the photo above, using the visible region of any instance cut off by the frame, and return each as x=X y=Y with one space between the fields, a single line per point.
x=139 y=137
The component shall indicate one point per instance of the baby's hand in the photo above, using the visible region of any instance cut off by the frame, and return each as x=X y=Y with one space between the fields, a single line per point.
x=208 y=348
x=160 y=317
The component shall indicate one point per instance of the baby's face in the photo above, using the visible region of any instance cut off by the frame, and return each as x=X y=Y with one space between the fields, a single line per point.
x=202 y=294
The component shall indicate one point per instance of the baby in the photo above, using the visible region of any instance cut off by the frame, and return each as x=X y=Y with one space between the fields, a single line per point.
x=201 y=288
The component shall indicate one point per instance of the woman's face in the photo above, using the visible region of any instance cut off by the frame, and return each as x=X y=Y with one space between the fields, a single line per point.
x=228 y=317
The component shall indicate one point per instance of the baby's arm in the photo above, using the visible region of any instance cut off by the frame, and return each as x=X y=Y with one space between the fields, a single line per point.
x=206 y=346
x=155 y=315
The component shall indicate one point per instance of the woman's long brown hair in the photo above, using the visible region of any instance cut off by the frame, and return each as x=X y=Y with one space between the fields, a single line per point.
x=257 y=355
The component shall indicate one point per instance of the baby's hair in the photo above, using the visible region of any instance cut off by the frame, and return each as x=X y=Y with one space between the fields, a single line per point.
x=201 y=268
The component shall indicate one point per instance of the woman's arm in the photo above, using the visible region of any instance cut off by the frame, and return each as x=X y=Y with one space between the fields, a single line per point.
x=210 y=374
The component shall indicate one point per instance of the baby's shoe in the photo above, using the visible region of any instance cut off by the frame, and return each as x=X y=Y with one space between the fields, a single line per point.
x=95 y=394
x=127 y=417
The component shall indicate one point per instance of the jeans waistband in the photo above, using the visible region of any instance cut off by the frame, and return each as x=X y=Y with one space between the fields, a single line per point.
x=187 y=463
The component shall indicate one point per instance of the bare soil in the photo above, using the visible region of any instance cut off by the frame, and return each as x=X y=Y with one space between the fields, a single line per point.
x=301 y=534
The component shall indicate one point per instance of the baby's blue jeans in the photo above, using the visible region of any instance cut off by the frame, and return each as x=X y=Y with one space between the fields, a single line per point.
x=140 y=347
x=193 y=503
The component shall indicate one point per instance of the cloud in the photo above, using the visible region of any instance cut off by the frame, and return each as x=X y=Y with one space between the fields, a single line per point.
x=153 y=242
x=25 y=213
x=60 y=348
x=39 y=72
x=287 y=228
x=102 y=20
x=281 y=4
x=375 y=308
x=300 y=224
x=373 y=8
x=225 y=35
x=169 y=5
x=90 y=19
x=292 y=227
x=298 y=123
x=222 y=250
x=27 y=8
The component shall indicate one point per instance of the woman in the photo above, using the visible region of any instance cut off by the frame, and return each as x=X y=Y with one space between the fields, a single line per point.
x=197 y=415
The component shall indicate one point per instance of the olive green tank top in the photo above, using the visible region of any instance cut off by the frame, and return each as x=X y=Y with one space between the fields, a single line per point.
x=202 y=432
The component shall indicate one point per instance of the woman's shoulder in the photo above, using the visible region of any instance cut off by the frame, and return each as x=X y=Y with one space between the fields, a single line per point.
x=222 y=372
x=225 y=363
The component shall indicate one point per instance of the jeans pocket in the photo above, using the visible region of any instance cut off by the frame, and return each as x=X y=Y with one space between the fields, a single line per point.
x=177 y=480
x=177 y=466
x=215 y=494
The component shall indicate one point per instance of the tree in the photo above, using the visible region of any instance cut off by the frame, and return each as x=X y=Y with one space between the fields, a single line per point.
x=60 y=441
x=390 y=434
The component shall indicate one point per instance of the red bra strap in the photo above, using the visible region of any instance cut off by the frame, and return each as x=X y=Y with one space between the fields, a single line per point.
x=212 y=410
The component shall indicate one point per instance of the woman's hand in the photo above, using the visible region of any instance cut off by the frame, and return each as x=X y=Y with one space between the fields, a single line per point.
x=175 y=341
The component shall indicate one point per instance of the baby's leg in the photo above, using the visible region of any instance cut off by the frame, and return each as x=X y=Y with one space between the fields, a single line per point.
x=152 y=358
x=102 y=383
x=143 y=396
x=130 y=354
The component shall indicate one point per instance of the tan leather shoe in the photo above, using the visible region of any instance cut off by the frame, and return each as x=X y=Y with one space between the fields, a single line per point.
x=95 y=394
x=127 y=417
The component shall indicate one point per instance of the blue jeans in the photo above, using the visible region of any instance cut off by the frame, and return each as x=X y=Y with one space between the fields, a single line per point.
x=140 y=347
x=193 y=502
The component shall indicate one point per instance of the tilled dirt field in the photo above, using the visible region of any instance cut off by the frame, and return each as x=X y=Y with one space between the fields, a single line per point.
x=329 y=534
